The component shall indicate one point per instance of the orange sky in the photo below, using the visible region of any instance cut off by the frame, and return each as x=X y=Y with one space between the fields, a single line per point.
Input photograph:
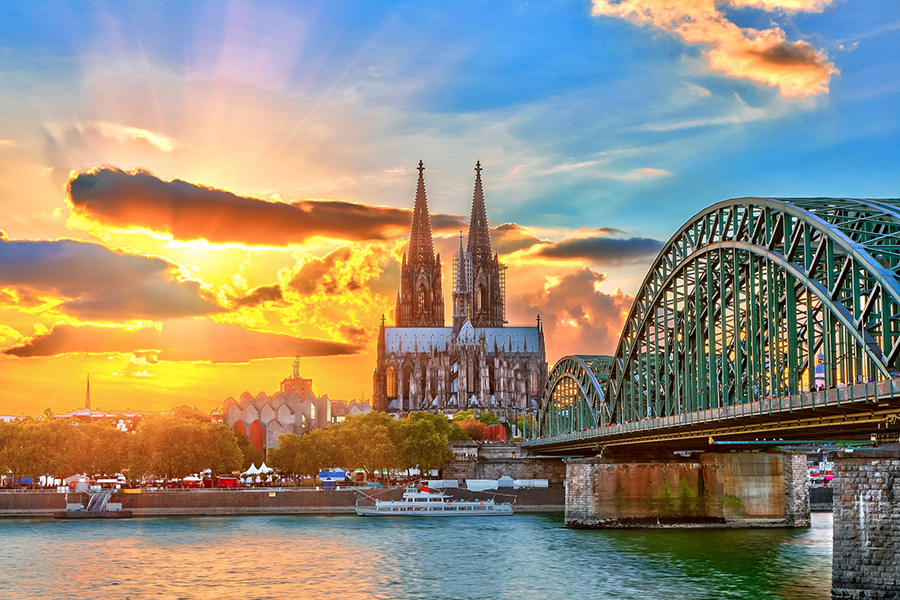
x=192 y=194
x=173 y=292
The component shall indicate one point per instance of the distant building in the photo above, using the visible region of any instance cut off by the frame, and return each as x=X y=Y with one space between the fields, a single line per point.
x=478 y=362
x=124 y=420
x=293 y=409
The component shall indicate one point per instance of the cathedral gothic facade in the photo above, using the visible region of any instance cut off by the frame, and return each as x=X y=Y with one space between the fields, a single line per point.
x=478 y=362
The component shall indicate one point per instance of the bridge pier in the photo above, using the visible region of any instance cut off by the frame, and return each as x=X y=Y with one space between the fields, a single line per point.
x=714 y=489
x=866 y=559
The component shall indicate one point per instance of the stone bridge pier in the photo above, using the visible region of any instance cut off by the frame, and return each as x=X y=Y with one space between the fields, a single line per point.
x=866 y=563
x=760 y=489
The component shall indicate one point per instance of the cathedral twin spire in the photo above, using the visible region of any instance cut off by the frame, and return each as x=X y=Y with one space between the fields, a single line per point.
x=479 y=233
x=420 y=302
x=421 y=244
x=478 y=287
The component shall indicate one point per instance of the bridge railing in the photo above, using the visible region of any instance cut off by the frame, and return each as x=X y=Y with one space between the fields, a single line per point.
x=860 y=393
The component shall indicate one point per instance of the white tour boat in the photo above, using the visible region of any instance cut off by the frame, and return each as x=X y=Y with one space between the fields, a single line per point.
x=423 y=502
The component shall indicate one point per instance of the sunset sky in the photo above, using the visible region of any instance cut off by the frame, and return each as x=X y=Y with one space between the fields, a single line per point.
x=191 y=194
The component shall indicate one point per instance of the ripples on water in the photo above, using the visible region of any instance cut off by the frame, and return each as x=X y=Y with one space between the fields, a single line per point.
x=521 y=557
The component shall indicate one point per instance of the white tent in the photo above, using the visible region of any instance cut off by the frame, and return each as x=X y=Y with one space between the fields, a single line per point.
x=251 y=471
x=264 y=469
x=479 y=485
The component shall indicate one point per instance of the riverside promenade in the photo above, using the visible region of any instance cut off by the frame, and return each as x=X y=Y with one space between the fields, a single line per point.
x=256 y=501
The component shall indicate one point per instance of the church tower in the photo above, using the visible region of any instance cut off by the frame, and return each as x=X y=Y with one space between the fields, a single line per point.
x=486 y=274
x=420 y=302
x=462 y=286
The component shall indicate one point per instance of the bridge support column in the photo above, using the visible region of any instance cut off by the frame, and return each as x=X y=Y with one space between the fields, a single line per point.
x=725 y=490
x=866 y=559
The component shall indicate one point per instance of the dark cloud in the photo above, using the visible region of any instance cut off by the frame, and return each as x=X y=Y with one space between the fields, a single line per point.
x=356 y=334
x=260 y=295
x=601 y=250
x=96 y=282
x=181 y=340
x=20 y=297
x=321 y=273
x=190 y=211
x=787 y=54
x=510 y=237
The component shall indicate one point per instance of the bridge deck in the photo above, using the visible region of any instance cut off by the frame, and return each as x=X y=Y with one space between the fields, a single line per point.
x=834 y=413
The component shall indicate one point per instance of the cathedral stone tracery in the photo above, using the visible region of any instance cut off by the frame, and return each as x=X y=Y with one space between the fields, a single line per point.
x=479 y=362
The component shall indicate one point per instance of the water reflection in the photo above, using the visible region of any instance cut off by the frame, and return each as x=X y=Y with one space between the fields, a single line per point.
x=346 y=557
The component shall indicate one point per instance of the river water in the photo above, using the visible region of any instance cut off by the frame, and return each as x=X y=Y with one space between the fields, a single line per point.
x=521 y=557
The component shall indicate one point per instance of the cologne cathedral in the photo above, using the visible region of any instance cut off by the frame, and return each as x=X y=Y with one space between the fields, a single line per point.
x=478 y=362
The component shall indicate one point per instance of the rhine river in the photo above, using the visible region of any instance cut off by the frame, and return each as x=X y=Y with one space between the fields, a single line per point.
x=521 y=557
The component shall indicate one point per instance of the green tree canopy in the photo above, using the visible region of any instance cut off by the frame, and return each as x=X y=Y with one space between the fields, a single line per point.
x=175 y=446
x=304 y=455
x=365 y=442
x=421 y=441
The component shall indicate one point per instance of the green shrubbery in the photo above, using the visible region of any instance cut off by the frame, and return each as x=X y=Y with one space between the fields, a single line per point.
x=371 y=442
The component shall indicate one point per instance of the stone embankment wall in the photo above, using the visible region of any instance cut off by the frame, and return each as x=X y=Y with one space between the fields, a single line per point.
x=737 y=490
x=493 y=461
x=258 y=501
x=866 y=548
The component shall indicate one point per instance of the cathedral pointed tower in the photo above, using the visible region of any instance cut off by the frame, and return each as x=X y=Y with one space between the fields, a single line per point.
x=421 y=299
x=487 y=276
x=480 y=362
x=462 y=286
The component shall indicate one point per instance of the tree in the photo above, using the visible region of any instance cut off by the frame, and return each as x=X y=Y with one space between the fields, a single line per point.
x=458 y=434
x=101 y=449
x=525 y=426
x=364 y=442
x=421 y=441
x=283 y=458
x=464 y=415
x=176 y=446
x=189 y=412
x=305 y=455
x=252 y=456
x=473 y=428
x=33 y=450
x=470 y=415
x=223 y=454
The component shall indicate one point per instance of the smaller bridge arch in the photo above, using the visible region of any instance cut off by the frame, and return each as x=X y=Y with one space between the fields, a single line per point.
x=573 y=398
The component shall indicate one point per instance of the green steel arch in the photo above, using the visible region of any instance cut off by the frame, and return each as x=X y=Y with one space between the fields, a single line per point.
x=761 y=297
x=573 y=398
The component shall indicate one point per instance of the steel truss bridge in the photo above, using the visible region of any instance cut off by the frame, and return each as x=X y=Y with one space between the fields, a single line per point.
x=760 y=318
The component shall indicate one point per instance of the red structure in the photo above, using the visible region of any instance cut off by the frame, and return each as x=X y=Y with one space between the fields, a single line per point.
x=494 y=433
x=257 y=435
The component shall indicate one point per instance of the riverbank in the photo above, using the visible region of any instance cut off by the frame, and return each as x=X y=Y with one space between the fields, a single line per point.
x=258 y=501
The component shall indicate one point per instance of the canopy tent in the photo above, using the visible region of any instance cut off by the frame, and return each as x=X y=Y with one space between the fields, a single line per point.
x=264 y=469
x=333 y=475
x=251 y=471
